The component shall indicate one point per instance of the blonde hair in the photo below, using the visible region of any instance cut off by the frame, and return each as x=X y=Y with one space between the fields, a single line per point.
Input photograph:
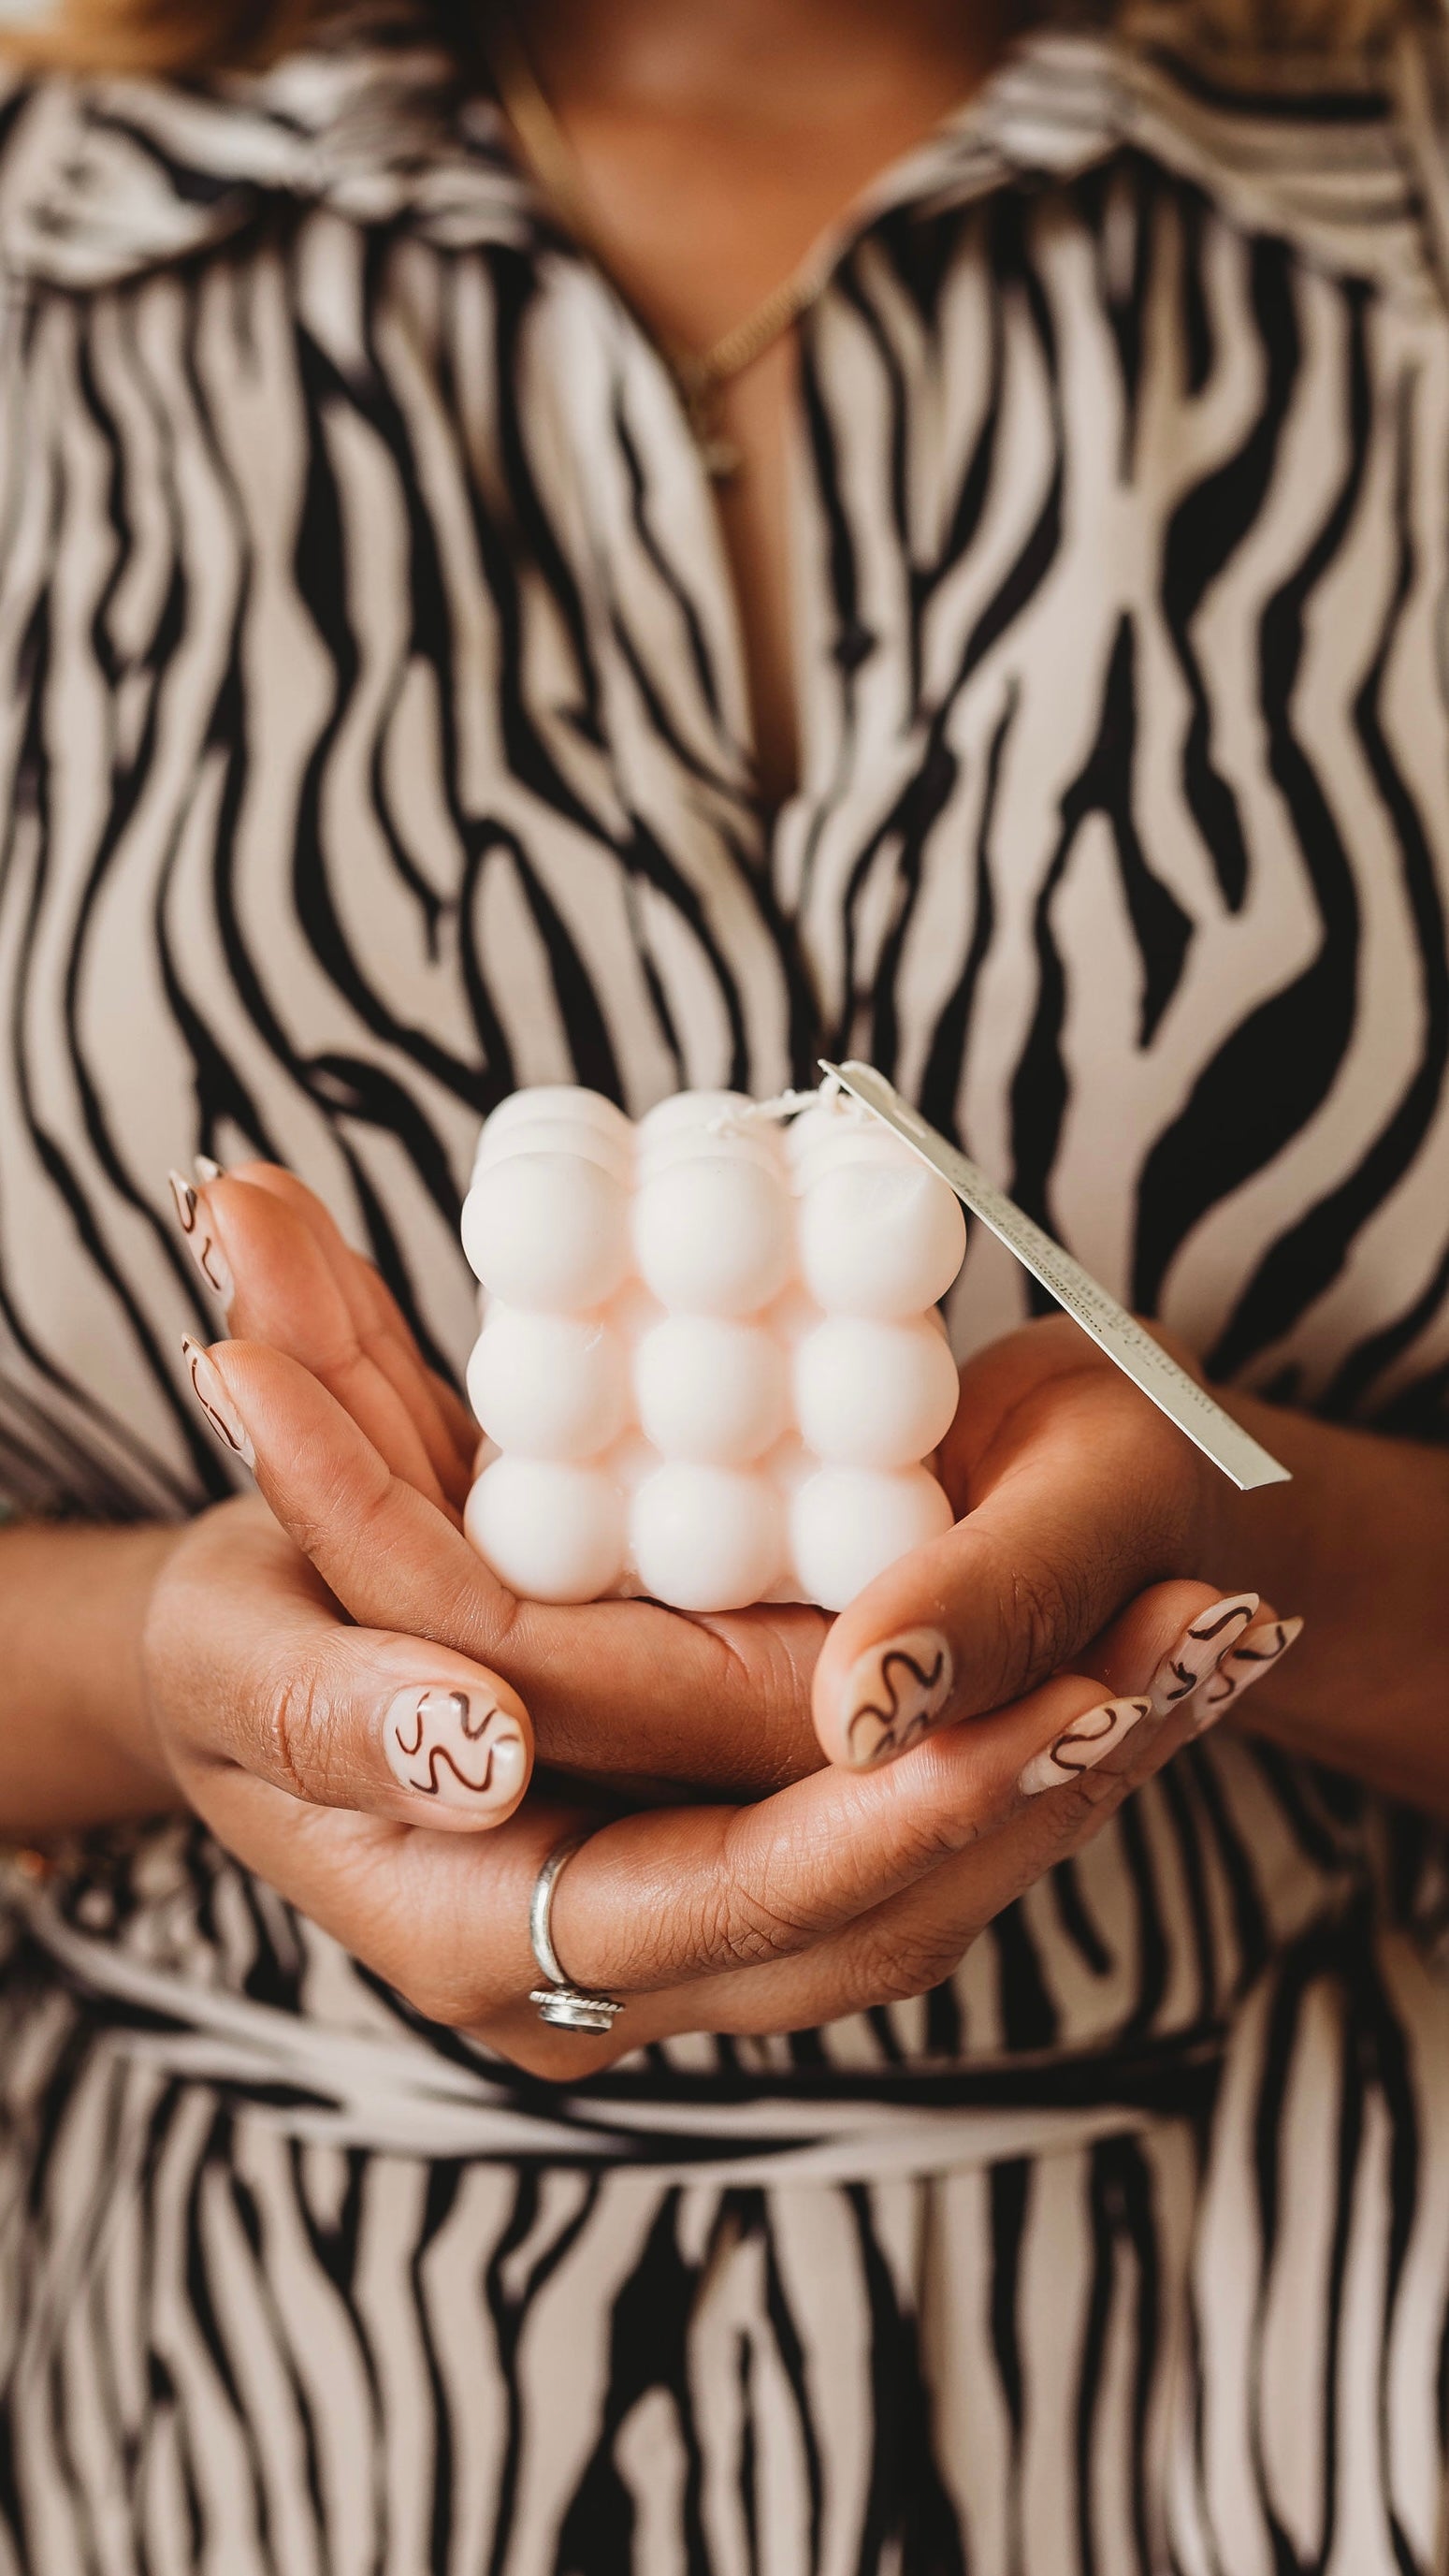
x=207 y=35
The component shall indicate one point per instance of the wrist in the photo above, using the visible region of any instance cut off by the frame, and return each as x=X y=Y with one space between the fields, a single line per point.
x=81 y=1748
x=118 y=1707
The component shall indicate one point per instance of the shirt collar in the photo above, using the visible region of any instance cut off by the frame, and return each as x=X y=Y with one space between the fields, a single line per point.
x=1308 y=147
x=103 y=179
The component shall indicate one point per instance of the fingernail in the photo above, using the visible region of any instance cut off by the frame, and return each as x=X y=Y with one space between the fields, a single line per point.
x=215 y=1402
x=1243 y=1665
x=1199 y=1650
x=205 y=1251
x=205 y=1169
x=1083 y=1745
x=894 y=1694
x=456 y=1746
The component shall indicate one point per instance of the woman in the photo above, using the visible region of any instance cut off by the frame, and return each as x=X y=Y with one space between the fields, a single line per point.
x=463 y=622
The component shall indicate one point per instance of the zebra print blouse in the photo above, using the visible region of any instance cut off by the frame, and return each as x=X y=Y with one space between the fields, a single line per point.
x=374 y=738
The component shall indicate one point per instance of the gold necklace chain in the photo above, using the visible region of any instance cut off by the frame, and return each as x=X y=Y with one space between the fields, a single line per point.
x=700 y=375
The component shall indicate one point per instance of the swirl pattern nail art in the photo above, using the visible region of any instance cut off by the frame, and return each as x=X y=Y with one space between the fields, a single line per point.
x=1085 y=1743
x=1248 y=1662
x=455 y=1746
x=1199 y=1651
x=895 y=1694
x=201 y=1243
x=215 y=1402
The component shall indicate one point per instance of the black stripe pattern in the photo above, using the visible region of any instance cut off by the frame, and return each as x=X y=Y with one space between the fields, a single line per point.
x=374 y=739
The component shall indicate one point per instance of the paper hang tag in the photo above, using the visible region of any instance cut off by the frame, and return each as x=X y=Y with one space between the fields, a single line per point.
x=1111 y=1327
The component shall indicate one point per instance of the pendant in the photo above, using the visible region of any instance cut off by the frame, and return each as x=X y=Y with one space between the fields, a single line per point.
x=718 y=455
x=720 y=460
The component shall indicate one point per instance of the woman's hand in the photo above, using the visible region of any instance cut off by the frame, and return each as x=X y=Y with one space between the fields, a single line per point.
x=249 y=1671
x=321 y=1755
x=1073 y=1493
x=838 y=1892
x=268 y=1253
x=624 y=1693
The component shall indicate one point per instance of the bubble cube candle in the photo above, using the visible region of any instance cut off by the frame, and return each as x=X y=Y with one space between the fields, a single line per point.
x=711 y=1369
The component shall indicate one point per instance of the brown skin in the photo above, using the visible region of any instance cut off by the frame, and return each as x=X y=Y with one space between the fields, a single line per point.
x=717 y=146
x=252 y=1683
x=244 y=1668
x=250 y=1688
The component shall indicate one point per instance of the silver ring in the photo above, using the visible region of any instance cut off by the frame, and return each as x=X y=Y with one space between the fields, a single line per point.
x=560 y=2002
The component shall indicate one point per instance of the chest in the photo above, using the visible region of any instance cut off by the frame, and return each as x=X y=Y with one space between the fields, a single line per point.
x=375 y=735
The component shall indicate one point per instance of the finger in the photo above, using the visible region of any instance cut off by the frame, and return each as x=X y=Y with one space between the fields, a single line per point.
x=676 y=1914
x=898 y=1949
x=1086 y=1498
x=1170 y=1640
x=285 y=1291
x=443 y=1918
x=1189 y=1650
x=918 y=1938
x=447 y=1426
x=914 y=1939
x=1252 y=1660
x=685 y=1893
x=652 y=1904
x=1219 y=1648
x=612 y=1686
x=378 y=1328
x=701 y=1888
x=1067 y=1790
x=257 y=1672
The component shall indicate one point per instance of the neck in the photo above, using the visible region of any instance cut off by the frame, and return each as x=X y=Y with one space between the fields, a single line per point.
x=707 y=147
x=762 y=61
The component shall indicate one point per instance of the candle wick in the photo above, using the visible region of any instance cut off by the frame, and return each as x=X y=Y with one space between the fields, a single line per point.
x=787 y=1104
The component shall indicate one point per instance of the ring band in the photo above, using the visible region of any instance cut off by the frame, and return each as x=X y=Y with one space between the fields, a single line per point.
x=560 y=2002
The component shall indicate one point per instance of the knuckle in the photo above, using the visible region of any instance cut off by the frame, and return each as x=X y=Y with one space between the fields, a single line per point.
x=751 y=1728
x=1046 y=1616
x=300 y=1735
x=938 y=1833
x=895 y=1966
x=773 y=1724
x=289 y=1728
x=1083 y=1805
x=738 y=1928
x=480 y=1619
x=326 y=1498
x=755 y=1914
x=308 y=1520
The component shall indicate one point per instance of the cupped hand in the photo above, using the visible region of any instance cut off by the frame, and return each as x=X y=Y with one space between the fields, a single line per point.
x=621 y=1692
x=250 y=1670
x=328 y=1758
x=837 y=1892
x=1072 y=1493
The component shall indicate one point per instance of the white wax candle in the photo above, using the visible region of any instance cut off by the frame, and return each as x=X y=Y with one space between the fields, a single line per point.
x=710 y=1369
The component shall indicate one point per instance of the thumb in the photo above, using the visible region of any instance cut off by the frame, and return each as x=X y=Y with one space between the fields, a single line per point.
x=1087 y=1496
x=250 y=1668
